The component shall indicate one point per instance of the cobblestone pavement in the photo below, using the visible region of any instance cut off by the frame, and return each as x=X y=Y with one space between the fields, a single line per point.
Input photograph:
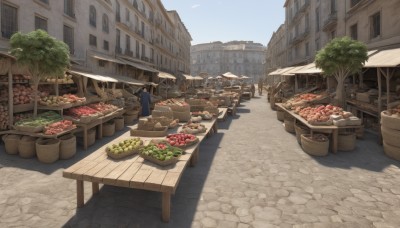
x=251 y=174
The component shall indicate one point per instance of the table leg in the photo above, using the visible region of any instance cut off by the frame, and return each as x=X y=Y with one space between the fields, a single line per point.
x=335 y=135
x=100 y=131
x=79 y=193
x=195 y=157
x=85 y=138
x=95 y=188
x=215 y=127
x=166 y=206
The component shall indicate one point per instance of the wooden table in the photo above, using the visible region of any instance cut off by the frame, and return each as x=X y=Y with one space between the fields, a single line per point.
x=134 y=171
x=223 y=114
x=330 y=129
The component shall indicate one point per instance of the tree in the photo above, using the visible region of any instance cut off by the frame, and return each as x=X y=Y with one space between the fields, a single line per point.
x=42 y=56
x=340 y=58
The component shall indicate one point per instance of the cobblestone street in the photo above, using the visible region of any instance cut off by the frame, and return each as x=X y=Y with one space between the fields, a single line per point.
x=252 y=173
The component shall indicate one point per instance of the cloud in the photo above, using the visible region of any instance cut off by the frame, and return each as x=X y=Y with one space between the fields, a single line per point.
x=195 y=6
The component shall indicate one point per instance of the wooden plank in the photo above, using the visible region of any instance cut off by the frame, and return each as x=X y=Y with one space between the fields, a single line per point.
x=179 y=167
x=154 y=181
x=170 y=182
x=111 y=178
x=139 y=178
x=67 y=172
x=125 y=178
x=80 y=196
x=87 y=176
x=98 y=177
x=77 y=175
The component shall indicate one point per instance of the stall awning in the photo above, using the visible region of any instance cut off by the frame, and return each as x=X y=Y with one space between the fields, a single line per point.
x=244 y=77
x=229 y=75
x=198 y=78
x=384 y=58
x=128 y=80
x=291 y=71
x=309 y=69
x=107 y=58
x=138 y=65
x=277 y=72
x=166 y=75
x=188 y=77
x=4 y=54
x=97 y=77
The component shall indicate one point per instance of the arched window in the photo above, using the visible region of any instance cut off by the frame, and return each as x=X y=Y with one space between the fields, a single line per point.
x=105 y=23
x=92 y=16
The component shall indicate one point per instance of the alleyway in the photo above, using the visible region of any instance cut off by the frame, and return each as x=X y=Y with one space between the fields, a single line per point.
x=252 y=173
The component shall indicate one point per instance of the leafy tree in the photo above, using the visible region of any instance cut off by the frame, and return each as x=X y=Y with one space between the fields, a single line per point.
x=340 y=58
x=42 y=55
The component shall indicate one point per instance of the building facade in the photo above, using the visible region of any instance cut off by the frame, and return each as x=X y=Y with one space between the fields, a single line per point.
x=311 y=24
x=105 y=36
x=239 y=57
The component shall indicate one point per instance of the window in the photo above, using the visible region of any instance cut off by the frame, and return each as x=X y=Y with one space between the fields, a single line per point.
x=307 y=47
x=117 y=13
x=317 y=45
x=354 y=32
x=118 y=40
x=137 y=49
x=92 y=16
x=40 y=23
x=45 y=1
x=92 y=40
x=354 y=2
x=375 y=25
x=333 y=6
x=143 y=51
x=307 y=21
x=9 y=21
x=105 y=23
x=69 y=8
x=128 y=43
x=105 y=45
x=317 y=19
x=102 y=63
x=127 y=15
x=68 y=37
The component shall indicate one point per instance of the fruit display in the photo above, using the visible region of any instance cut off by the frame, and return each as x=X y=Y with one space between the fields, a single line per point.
x=22 y=116
x=205 y=115
x=66 y=99
x=82 y=111
x=40 y=121
x=181 y=140
x=161 y=153
x=22 y=94
x=4 y=117
x=103 y=107
x=193 y=128
x=172 y=101
x=301 y=100
x=196 y=119
x=20 y=79
x=63 y=79
x=395 y=111
x=58 y=127
x=124 y=148
x=320 y=113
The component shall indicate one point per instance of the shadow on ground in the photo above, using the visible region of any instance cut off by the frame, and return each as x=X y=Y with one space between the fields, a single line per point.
x=123 y=207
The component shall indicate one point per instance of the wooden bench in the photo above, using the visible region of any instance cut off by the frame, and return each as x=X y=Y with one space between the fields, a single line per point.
x=134 y=172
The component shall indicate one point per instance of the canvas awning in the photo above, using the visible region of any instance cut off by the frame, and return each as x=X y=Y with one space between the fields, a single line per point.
x=244 y=77
x=384 y=58
x=97 y=77
x=4 y=54
x=229 y=75
x=128 y=80
x=107 y=58
x=309 y=69
x=198 y=78
x=277 y=72
x=138 y=65
x=166 y=75
x=188 y=77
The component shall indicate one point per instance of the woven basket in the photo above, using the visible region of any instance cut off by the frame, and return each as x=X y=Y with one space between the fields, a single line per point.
x=132 y=112
x=300 y=130
x=91 y=137
x=360 y=132
x=289 y=126
x=67 y=146
x=177 y=108
x=391 y=151
x=136 y=132
x=129 y=119
x=182 y=116
x=280 y=115
x=11 y=143
x=347 y=141
x=26 y=147
x=109 y=129
x=197 y=108
x=48 y=150
x=119 y=123
x=171 y=161
x=29 y=129
x=390 y=136
x=313 y=147
x=159 y=113
x=391 y=122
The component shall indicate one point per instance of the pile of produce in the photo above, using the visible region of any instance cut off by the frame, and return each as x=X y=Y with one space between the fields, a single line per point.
x=173 y=102
x=82 y=111
x=103 y=107
x=124 y=148
x=205 y=115
x=22 y=94
x=150 y=124
x=20 y=79
x=41 y=120
x=160 y=152
x=320 y=113
x=181 y=139
x=4 y=118
x=22 y=116
x=3 y=94
x=193 y=128
x=300 y=100
x=58 y=127
x=66 y=99
x=64 y=79
x=394 y=111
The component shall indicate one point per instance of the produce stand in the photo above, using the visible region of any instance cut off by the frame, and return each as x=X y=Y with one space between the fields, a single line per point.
x=37 y=135
x=134 y=172
x=330 y=129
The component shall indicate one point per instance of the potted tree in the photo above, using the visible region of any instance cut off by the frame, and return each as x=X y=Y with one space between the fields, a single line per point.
x=340 y=58
x=42 y=56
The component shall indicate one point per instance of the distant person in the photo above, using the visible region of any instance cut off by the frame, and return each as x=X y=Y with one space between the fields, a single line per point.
x=260 y=86
x=145 y=100
x=253 y=90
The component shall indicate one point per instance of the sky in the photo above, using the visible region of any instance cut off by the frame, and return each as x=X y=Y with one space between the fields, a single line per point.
x=227 y=20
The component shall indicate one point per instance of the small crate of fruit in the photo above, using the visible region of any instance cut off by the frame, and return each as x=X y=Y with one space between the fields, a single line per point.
x=161 y=154
x=124 y=148
x=180 y=140
x=193 y=128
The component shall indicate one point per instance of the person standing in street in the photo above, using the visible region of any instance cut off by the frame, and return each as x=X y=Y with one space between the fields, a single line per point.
x=145 y=101
x=260 y=86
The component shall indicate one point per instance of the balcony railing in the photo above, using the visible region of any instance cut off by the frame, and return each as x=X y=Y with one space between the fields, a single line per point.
x=330 y=22
x=300 y=37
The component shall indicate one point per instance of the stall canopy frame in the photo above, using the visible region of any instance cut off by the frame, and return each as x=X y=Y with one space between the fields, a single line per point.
x=137 y=65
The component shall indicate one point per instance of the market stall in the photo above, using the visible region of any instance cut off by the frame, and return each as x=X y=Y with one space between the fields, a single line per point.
x=167 y=87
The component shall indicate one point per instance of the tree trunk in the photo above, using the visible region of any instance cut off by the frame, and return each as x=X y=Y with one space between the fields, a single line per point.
x=35 y=97
x=340 y=95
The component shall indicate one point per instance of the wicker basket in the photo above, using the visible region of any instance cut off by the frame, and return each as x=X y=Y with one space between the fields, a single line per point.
x=129 y=119
x=289 y=126
x=48 y=150
x=300 y=130
x=360 y=132
x=119 y=123
x=109 y=128
x=171 y=161
x=182 y=116
x=313 y=147
x=67 y=146
x=26 y=147
x=280 y=115
x=11 y=143
x=390 y=136
x=29 y=129
x=347 y=141
x=391 y=151
x=142 y=133
x=177 y=108
x=159 y=113
x=391 y=122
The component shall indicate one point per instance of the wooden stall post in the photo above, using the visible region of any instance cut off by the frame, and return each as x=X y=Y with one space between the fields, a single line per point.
x=166 y=206
x=80 y=193
x=10 y=99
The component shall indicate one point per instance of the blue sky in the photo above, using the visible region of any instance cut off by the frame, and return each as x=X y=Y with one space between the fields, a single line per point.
x=226 y=20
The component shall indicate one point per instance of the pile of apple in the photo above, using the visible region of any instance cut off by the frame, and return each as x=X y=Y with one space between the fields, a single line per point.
x=78 y=112
x=394 y=111
x=320 y=113
x=60 y=100
x=4 y=118
x=180 y=139
x=103 y=107
x=173 y=102
x=58 y=127
x=22 y=94
x=126 y=146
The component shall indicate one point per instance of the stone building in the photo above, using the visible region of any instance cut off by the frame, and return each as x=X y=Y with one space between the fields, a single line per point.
x=239 y=57
x=311 y=24
x=106 y=36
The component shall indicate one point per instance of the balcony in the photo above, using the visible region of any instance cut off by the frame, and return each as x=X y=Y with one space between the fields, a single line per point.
x=300 y=37
x=118 y=50
x=128 y=53
x=330 y=22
